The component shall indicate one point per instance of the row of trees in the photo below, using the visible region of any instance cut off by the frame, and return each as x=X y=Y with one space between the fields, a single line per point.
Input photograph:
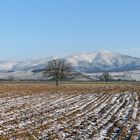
x=59 y=69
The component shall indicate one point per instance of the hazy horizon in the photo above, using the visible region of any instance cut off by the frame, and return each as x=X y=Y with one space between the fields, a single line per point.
x=33 y=29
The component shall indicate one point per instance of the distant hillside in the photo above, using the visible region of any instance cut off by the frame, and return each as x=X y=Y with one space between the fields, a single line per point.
x=87 y=63
x=103 y=61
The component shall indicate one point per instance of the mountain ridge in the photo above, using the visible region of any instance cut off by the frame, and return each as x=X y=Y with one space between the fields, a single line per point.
x=101 y=60
x=105 y=61
x=94 y=62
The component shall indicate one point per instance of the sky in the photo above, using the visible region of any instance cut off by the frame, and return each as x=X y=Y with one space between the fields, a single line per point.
x=41 y=28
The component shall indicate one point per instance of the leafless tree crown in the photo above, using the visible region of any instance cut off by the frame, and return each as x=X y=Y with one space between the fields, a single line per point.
x=58 y=69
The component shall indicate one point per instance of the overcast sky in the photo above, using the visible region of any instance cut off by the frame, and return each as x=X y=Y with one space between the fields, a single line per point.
x=42 y=28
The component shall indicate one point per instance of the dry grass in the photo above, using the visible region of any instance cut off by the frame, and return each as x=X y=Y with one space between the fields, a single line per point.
x=32 y=88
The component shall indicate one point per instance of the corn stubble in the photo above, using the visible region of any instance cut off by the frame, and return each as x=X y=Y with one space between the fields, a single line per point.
x=93 y=112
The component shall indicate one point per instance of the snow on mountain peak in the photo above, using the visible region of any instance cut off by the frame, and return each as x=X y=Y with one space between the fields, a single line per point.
x=103 y=60
x=6 y=65
x=90 y=57
x=84 y=62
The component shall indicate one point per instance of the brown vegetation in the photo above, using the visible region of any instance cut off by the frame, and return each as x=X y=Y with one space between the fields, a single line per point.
x=83 y=111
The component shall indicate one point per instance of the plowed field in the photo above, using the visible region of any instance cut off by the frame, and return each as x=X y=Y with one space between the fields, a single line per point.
x=92 y=112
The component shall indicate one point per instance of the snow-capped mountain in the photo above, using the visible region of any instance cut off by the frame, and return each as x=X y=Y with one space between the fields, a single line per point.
x=87 y=63
x=103 y=61
x=27 y=65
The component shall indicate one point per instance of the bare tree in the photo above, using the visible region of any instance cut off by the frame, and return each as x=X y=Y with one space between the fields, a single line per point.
x=58 y=69
x=105 y=77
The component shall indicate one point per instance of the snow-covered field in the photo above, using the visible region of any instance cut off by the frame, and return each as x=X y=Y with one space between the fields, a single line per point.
x=35 y=112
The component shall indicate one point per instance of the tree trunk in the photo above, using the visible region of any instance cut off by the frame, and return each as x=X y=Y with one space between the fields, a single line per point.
x=56 y=82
